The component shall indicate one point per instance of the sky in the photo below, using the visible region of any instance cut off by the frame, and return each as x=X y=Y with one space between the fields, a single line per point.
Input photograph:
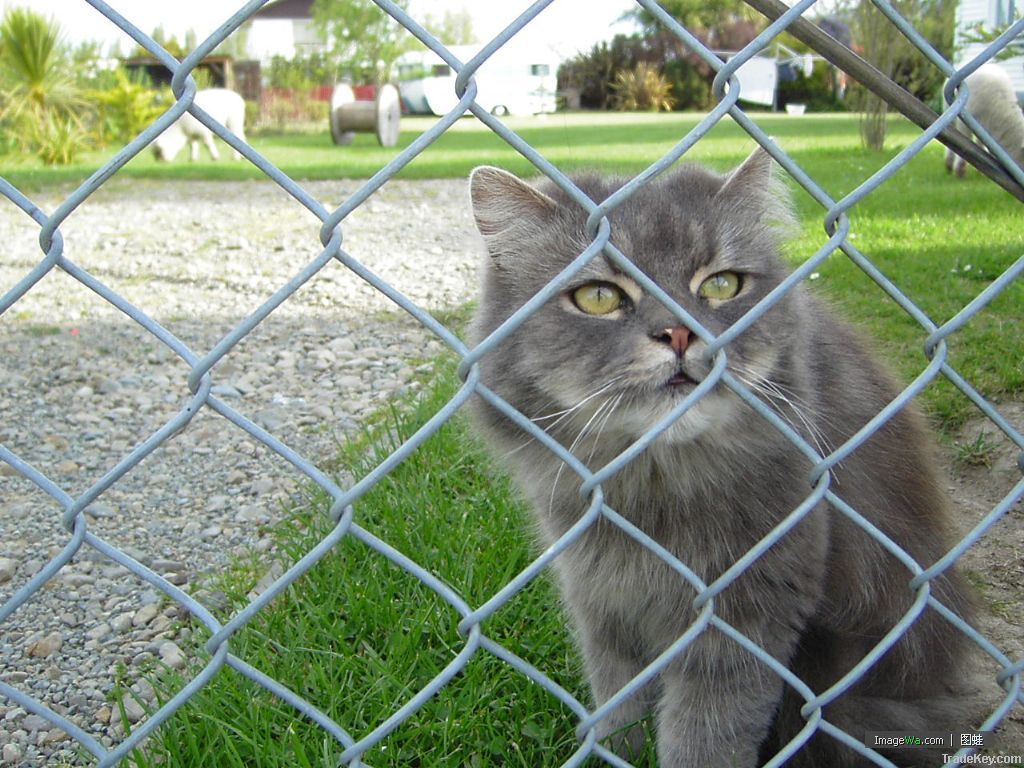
x=567 y=26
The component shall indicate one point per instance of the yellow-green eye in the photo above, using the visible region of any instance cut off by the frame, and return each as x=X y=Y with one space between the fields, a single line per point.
x=721 y=285
x=597 y=298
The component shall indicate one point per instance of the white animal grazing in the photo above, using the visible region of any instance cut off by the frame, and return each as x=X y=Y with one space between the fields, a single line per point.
x=224 y=106
x=993 y=102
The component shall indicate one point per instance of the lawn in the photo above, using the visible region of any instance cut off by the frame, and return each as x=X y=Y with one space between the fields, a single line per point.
x=613 y=141
x=358 y=636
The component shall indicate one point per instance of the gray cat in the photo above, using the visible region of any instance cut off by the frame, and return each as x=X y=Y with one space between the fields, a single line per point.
x=602 y=362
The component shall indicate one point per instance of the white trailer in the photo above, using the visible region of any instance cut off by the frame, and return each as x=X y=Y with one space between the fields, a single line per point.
x=516 y=80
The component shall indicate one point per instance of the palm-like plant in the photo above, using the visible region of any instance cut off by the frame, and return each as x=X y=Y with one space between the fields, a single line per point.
x=38 y=93
x=642 y=88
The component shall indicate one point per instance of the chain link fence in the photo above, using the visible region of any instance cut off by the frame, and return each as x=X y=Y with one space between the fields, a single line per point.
x=69 y=509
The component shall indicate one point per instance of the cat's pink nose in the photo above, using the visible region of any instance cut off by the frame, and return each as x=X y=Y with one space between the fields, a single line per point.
x=677 y=337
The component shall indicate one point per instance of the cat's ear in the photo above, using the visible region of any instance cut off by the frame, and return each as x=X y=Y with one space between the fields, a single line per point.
x=755 y=190
x=503 y=203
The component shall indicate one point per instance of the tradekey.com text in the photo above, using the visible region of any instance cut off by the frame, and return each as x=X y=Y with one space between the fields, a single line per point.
x=982 y=760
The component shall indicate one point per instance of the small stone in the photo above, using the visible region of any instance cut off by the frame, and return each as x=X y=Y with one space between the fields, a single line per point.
x=103 y=715
x=225 y=390
x=99 y=631
x=176 y=577
x=33 y=723
x=273 y=573
x=323 y=412
x=99 y=511
x=252 y=513
x=46 y=646
x=51 y=736
x=133 y=710
x=261 y=486
x=11 y=754
x=145 y=614
x=165 y=566
x=122 y=622
x=78 y=579
x=217 y=503
x=172 y=655
x=8 y=567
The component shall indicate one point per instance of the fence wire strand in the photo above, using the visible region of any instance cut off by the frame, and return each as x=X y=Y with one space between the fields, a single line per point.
x=473 y=619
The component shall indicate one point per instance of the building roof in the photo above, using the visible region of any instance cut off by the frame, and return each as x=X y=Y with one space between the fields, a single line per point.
x=286 y=9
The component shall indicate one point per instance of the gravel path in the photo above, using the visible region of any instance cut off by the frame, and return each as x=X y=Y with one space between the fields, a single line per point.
x=81 y=385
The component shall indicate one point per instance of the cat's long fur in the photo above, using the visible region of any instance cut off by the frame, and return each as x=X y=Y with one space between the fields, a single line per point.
x=719 y=479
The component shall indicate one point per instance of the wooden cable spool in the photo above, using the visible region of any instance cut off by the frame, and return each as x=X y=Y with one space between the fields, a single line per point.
x=380 y=116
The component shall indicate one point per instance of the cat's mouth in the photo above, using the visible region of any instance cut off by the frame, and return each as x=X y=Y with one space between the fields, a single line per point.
x=680 y=380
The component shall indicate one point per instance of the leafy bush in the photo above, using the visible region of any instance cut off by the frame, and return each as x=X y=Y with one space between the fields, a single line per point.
x=124 y=109
x=818 y=91
x=690 y=84
x=642 y=88
x=58 y=139
x=593 y=74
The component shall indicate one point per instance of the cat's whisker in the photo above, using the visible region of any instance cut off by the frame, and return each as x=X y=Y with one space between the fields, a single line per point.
x=565 y=413
x=774 y=393
x=571 y=409
x=579 y=438
x=604 y=423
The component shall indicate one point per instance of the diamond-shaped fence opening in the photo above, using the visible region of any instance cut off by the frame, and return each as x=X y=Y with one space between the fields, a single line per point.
x=198 y=415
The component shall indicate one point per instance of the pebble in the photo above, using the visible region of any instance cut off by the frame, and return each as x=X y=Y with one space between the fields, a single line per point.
x=145 y=614
x=172 y=655
x=11 y=754
x=46 y=646
x=84 y=386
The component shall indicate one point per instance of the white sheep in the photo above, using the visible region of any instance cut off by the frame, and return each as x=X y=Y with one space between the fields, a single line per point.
x=993 y=103
x=224 y=106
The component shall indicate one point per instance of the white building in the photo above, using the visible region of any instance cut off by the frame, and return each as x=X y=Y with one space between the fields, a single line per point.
x=284 y=28
x=992 y=14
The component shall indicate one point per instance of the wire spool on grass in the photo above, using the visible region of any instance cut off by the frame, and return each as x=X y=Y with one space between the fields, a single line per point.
x=380 y=116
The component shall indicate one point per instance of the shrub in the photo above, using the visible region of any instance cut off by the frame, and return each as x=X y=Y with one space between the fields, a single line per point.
x=817 y=92
x=593 y=74
x=642 y=88
x=690 y=84
x=124 y=109
x=57 y=139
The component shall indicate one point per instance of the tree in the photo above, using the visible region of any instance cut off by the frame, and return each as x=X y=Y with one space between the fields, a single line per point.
x=364 y=39
x=454 y=28
x=885 y=47
x=695 y=15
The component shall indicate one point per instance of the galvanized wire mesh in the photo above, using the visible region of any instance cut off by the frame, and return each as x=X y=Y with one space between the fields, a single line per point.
x=200 y=383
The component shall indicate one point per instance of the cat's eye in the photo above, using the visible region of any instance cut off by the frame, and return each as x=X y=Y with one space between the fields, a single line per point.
x=598 y=298
x=721 y=285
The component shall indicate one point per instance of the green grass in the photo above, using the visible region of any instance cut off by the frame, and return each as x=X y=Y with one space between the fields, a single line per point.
x=613 y=141
x=358 y=636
